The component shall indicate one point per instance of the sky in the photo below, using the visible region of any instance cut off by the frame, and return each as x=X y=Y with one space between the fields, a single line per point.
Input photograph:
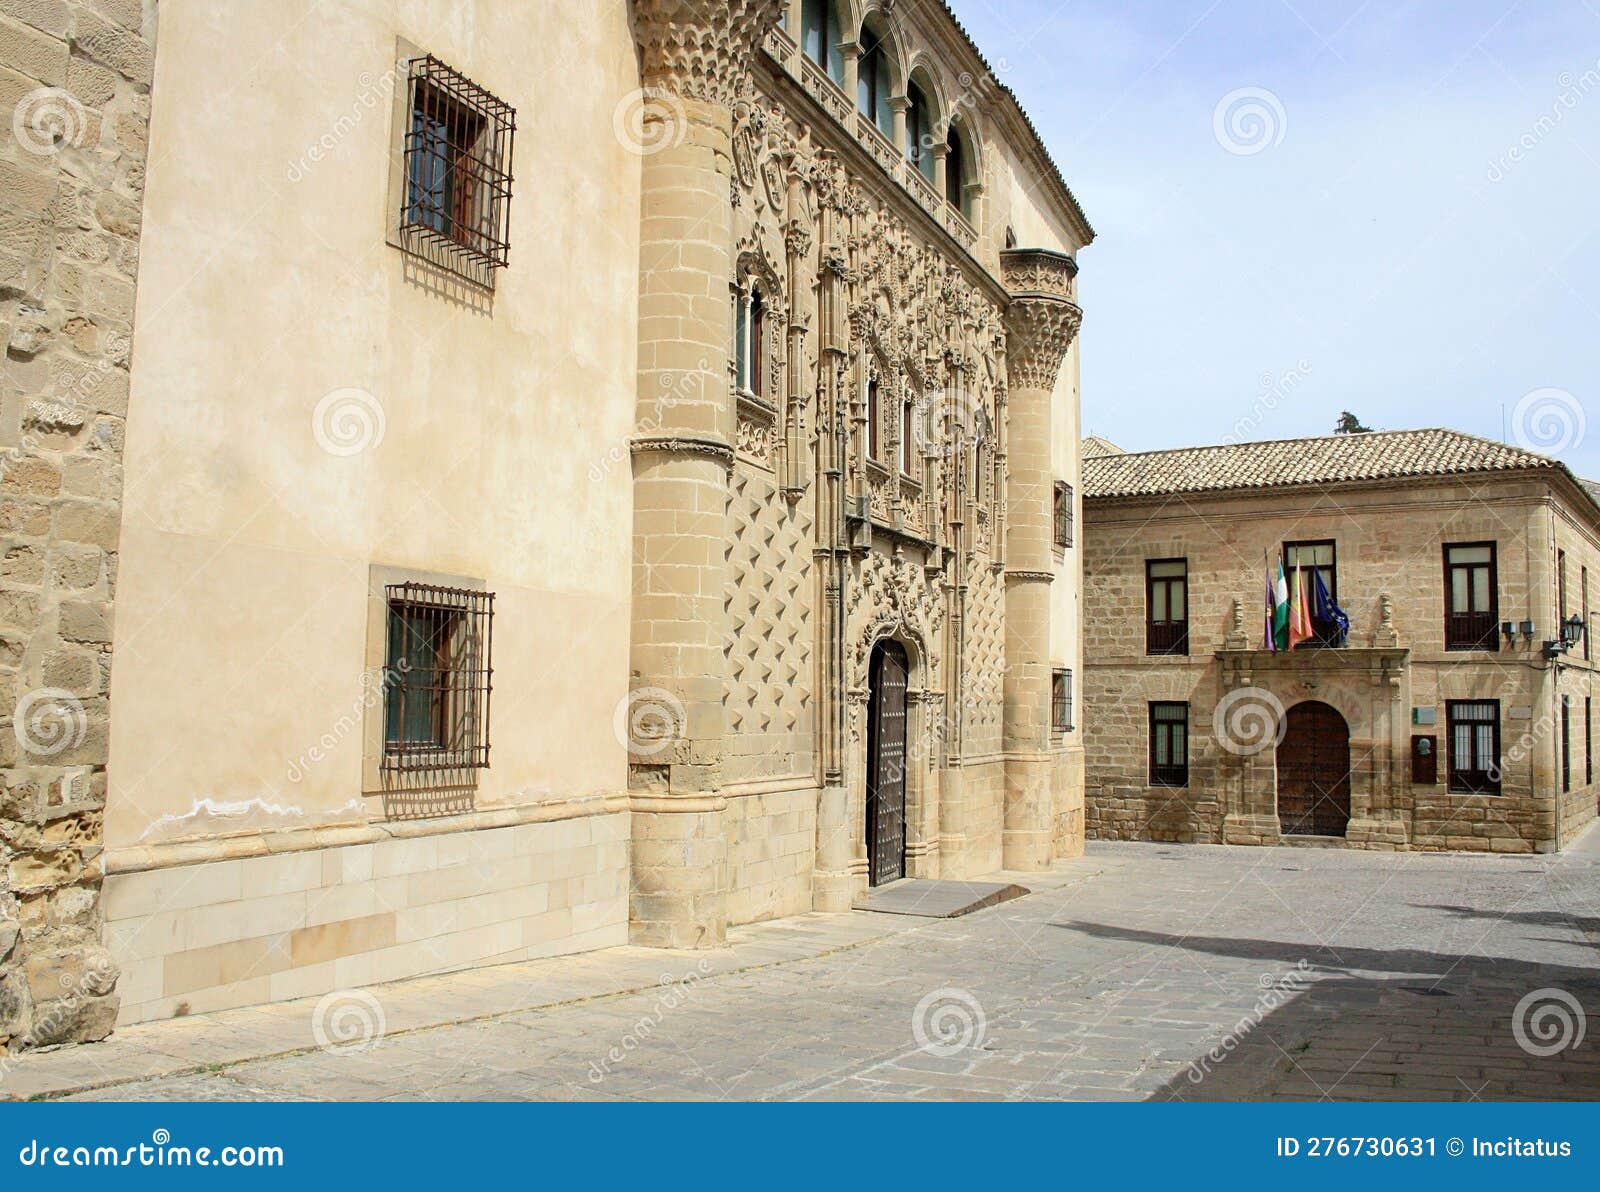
x=1305 y=207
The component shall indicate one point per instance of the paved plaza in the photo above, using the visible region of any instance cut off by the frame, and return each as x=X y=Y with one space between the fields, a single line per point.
x=1140 y=971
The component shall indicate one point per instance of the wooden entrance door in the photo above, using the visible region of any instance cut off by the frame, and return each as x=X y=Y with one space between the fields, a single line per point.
x=1314 y=772
x=886 y=765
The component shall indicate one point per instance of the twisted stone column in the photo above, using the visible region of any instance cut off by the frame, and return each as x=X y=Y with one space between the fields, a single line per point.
x=1040 y=324
x=692 y=54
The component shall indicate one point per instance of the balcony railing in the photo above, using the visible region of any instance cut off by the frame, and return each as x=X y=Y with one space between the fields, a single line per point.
x=1166 y=637
x=1471 y=631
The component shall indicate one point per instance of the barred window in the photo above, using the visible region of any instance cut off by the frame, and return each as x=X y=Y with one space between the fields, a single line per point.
x=1063 y=514
x=458 y=143
x=1061 y=701
x=437 y=678
x=1169 y=743
x=1474 y=745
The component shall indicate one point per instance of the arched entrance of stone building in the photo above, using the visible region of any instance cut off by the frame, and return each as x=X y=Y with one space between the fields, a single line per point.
x=1314 y=772
x=886 y=763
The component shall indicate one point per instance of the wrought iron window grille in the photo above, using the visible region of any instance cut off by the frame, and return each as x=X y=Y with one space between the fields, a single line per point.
x=458 y=146
x=437 y=679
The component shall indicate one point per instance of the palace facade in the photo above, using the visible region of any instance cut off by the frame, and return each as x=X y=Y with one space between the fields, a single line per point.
x=548 y=475
x=1457 y=712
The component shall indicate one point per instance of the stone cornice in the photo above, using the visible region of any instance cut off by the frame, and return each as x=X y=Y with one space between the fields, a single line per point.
x=683 y=445
x=700 y=49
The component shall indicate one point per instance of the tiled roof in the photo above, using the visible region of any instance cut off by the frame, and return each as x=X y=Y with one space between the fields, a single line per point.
x=1331 y=459
x=1095 y=445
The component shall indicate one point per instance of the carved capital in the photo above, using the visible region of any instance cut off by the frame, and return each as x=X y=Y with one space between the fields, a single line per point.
x=700 y=49
x=1042 y=318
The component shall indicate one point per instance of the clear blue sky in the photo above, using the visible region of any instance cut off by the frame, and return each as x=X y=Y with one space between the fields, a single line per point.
x=1382 y=245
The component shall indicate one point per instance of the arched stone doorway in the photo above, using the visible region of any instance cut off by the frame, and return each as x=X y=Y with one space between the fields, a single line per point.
x=886 y=763
x=1314 y=772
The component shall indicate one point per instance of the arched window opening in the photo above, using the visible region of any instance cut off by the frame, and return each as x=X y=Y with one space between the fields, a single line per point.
x=1011 y=236
x=749 y=341
x=872 y=80
x=907 y=447
x=874 y=446
x=820 y=35
x=919 y=125
x=955 y=172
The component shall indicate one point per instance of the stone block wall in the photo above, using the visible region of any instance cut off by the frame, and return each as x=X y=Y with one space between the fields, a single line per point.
x=253 y=929
x=772 y=840
x=1390 y=541
x=75 y=79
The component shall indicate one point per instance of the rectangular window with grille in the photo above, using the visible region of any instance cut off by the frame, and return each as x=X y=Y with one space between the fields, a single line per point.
x=1474 y=731
x=1061 y=701
x=1588 y=740
x=1472 y=599
x=1166 y=605
x=1063 y=514
x=437 y=678
x=457 y=174
x=1169 y=743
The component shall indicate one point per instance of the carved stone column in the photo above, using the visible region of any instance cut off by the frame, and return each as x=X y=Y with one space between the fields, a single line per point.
x=693 y=54
x=1040 y=324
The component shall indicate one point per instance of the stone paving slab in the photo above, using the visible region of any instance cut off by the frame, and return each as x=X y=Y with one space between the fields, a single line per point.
x=937 y=899
x=183 y=1046
x=1137 y=972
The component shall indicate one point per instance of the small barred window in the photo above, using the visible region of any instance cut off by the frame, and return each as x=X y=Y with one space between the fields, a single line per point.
x=458 y=142
x=437 y=679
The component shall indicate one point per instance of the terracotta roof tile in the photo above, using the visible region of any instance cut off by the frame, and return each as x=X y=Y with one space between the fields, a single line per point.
x=1330 y=459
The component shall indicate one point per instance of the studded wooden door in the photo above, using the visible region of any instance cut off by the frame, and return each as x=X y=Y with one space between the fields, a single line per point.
x=886 y=765
x=1314 y=772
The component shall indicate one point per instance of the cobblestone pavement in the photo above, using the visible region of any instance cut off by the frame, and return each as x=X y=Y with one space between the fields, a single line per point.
x=1139 y=972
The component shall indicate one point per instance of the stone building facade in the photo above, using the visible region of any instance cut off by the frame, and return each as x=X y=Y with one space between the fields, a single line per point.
x=563 y=507
x=1457 y=714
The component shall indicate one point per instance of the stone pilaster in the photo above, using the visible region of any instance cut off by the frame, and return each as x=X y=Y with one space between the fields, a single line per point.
x=693 y=54
x=76 y=80
x=1040 y=324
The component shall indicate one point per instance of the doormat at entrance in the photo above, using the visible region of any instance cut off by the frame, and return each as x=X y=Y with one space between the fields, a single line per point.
x=936 y=899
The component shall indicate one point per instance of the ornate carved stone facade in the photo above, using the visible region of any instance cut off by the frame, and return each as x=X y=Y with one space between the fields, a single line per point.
x=760 y=396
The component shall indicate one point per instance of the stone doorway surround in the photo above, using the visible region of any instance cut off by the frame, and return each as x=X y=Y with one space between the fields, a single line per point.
x=1368 y=686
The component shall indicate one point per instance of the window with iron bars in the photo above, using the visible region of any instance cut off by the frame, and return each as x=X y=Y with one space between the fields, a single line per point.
x=1061 y=701
x=458 y=143
x=437 y=678
x=1063 y=514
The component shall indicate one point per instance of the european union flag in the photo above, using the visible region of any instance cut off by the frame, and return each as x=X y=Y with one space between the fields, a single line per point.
x=1324 y=609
